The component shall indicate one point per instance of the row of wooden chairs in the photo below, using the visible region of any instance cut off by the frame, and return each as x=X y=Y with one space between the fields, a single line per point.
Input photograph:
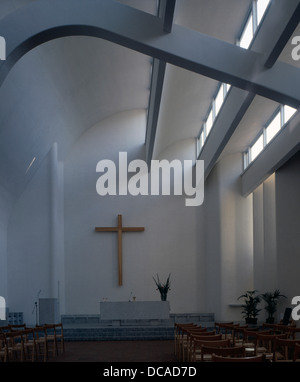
x=22 y=343
x=275 y=342
x=194 y=343
x=290 y=330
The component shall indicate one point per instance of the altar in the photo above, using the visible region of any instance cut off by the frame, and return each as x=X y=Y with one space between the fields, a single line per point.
x=134 y=310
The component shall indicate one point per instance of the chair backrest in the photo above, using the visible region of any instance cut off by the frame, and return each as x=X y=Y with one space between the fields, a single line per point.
x=17 y=327
x=297 y=352
x=198 y=343
x=202 y=333
x=267 y=340
x=39 y=332
x=14 y=337
x=59 y=329
x=218 y=358
x=196 y=330
x=220 y=325
x=180 y=326
x=2 y=340
x=286 y=347
x=238 y=351
x=250 y=335
x=186 y=329
x=4 y=329
x=212 y=337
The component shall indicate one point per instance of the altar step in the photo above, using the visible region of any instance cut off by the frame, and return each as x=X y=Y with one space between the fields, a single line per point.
x=119 y=334
x=92 y=328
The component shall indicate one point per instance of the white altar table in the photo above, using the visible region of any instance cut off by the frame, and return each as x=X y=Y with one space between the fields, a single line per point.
x=135 y=310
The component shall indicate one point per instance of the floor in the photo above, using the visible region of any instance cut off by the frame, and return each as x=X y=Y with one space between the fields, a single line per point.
x=117 y=351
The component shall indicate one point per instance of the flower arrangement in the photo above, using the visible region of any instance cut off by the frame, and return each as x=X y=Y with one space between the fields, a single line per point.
x=163 y=288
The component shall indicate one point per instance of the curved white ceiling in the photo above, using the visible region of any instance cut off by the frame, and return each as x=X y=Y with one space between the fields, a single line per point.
x=60 y=89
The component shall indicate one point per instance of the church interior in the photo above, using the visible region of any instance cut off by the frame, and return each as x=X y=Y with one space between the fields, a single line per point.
x=203 y=81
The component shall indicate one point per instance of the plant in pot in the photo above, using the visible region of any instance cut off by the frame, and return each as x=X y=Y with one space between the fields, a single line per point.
x=271 y=298
x=163 y=287
x=250 y=312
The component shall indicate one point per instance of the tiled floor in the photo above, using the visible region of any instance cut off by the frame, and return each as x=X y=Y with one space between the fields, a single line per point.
x=117 y=351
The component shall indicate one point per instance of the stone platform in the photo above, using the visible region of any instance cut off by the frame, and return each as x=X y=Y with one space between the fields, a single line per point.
x=91 y=328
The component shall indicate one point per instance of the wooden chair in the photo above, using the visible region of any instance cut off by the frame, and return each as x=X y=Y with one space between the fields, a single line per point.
x=228 y=331
x=59 y=332
x=231 y=351
x=291 y=330
x=4 y=351
x=297 y=352
x=178 y=333
x=30 y=347
x=15 y=345
x=257 y=358
x=198 y=343
x=220 y=325
x=238 y=334
x=55 y=335
x=249 y=341
x=265 y=344
x=184 y=338
x=198 y=335
x=50 y=334
x=40 y=336
x=286 y=349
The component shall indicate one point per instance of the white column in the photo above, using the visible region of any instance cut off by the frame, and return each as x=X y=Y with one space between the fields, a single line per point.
x=57 y=228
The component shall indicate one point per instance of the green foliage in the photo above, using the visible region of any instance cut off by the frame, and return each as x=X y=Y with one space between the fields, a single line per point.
x=251 y=300
x=272 y=298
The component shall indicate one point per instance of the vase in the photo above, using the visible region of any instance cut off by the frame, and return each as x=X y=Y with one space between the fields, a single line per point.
x=250 y=320
x=163 y=296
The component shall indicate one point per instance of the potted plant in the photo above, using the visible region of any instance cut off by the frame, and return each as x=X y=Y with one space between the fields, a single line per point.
x=163 y=288
x=250 y=312
x=271 y=298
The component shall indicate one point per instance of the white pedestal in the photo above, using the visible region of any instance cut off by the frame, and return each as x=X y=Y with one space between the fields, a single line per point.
x=48 y=311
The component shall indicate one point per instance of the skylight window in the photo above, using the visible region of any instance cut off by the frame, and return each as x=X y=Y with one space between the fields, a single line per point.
x=219 y=100
x=288 y=112
x=209 y=122
x=247 y=34
x=257 y=147
x=273 y=128
x=200 y=142
x=261 y=6
x=283 y=115
x=256 y=14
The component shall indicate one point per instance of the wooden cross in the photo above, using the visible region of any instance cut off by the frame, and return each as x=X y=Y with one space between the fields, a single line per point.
x=119 y=229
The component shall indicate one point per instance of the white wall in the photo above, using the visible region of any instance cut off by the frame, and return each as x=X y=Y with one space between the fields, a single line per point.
x=214 y=252
x=288 y=229
x=228 y=239
x=276 y=211
x=169 y=244
x=29 y=246
x=6 y=203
